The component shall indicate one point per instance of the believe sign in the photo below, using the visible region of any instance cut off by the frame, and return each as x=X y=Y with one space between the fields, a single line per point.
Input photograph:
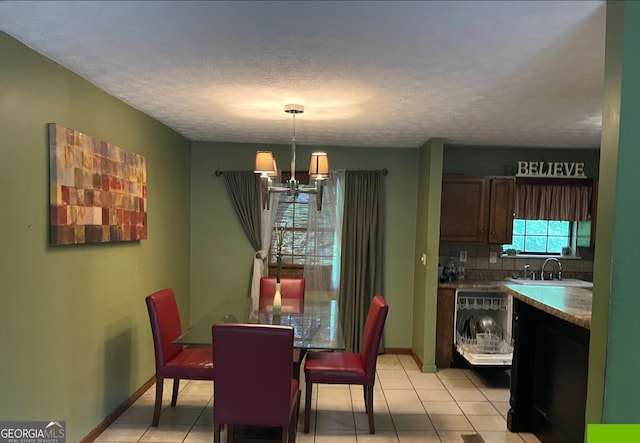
x=551 y=169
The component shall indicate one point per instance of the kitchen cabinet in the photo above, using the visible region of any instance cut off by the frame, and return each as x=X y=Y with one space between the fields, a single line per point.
x=548 y=376
x=502 y=208
x=463 y=209
x=444 y=327
x=477 y=209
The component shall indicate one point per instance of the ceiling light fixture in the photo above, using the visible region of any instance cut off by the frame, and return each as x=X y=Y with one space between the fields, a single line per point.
x=267 y=167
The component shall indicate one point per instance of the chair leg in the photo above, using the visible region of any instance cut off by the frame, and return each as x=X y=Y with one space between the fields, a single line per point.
x=217 y=429
x=158 y=405
x=368 y=405
x=364 y=396
x=307 y=406
x=230 y=434
x=298 y=356
x=174 y=395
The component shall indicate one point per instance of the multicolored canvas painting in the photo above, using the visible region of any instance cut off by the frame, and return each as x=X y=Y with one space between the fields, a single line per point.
x=98 y=191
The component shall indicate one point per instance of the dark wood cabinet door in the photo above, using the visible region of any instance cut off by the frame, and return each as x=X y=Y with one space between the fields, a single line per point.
x=444 y=328
x=463 y=209
x=502 y=210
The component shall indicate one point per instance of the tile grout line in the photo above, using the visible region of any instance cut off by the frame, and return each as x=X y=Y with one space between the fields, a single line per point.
x=393 y=364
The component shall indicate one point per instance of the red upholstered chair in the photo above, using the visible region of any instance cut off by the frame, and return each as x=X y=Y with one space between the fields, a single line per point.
x=290 y=287
x=173 y=361
x=253 y=382
x=348 y=367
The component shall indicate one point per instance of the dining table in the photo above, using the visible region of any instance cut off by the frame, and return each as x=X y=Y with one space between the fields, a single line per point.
x=316 y=326
x=316 y=323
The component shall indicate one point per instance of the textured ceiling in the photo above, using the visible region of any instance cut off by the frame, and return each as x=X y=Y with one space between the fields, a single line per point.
x=393 y=74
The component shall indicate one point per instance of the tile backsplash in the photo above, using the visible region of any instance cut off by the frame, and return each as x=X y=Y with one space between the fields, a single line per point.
x=477 y=266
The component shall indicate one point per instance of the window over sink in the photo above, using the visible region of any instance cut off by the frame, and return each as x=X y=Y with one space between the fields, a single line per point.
x=552 y=215
x=540 y=236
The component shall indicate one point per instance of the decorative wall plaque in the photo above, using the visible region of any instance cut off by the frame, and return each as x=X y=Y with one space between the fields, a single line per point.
x=98 y=191
x=551 y=169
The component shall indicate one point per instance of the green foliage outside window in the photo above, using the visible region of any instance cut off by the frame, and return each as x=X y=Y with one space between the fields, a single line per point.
x=540 y=236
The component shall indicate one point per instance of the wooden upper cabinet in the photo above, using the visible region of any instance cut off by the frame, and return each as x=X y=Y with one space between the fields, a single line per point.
x=502 y=210
x=477 y=209
x=463 y=209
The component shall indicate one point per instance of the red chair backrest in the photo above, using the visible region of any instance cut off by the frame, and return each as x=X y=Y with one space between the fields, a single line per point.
x=290 y=287
x=252 y=374
x=372 y=334
x=165 y=325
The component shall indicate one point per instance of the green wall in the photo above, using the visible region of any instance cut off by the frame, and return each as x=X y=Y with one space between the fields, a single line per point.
x=219 y=243
x=75 y=339
x=615 y=299
x=485 y=161
x=428 y=243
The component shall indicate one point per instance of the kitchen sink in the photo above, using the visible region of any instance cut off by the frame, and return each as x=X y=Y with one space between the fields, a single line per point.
x=564 y=282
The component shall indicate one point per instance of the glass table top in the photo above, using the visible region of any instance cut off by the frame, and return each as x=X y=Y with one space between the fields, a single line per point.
x=316 y=323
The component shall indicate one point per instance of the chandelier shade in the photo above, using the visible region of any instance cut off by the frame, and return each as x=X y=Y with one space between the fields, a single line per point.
x=274 y=169
x=319 y=166
x=264 y=162
x=266 y=166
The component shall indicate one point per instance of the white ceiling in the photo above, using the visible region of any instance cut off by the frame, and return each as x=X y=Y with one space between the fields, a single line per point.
x=393 y=74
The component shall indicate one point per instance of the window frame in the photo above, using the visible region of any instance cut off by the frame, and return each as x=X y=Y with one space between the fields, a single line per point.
x=572 y=237
x=302 y=178
x=289 y=268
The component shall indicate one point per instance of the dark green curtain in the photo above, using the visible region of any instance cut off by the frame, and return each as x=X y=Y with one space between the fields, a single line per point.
x=244 y=190
x=362 y=254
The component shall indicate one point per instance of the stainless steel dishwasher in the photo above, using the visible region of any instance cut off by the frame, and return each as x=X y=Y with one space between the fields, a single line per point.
x=483 y=327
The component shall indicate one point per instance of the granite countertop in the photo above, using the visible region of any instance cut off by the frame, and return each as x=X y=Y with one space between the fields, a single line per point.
x=572 y=304
x=489 y=285
x=569 y=303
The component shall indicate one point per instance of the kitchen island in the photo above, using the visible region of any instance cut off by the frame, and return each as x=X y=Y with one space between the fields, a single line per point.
x=550 y=361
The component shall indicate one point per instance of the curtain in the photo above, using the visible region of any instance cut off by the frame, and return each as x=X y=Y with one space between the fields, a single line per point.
x=267 y=220
x=324 y=236
x=553 y=202
x=362 y=251
x=244 y=189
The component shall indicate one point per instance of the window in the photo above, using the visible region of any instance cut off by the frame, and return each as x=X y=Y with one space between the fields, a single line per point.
x=540 y=236
x=293 y=215
x=583 y=234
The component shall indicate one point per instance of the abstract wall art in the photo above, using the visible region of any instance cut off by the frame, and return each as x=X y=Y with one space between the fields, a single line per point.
x=98 y=191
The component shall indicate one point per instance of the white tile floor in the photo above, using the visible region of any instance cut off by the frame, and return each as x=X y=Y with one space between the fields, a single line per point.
x=410 y=406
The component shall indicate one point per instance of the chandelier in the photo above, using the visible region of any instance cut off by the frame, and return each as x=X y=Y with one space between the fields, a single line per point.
x=267 y=167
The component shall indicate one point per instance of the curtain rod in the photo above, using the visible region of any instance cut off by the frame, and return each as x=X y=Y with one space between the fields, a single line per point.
x=554 y=181
x=218 y=172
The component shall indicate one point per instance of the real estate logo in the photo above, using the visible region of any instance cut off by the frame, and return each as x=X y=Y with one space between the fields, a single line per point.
x=33 y=432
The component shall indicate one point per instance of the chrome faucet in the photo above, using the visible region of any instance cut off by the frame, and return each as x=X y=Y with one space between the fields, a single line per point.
x=551 y=274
